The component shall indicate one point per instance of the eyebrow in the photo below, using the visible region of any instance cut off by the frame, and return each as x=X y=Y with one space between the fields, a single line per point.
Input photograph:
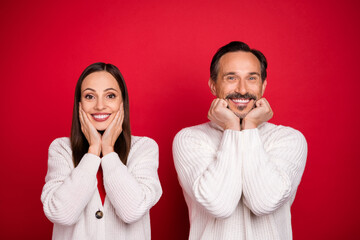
x=93 y=90
x=109 y=89
x=229 y=73
x=234 y=73
x=254 y=73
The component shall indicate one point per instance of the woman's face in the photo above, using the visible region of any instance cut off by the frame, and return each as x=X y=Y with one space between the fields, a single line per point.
x=100 y=98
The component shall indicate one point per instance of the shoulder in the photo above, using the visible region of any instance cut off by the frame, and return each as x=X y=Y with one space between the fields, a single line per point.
x=61 y=145
x=60 y=149
x=199 y=131
x=141 y=142
x=205 y=136
x=143 y=149
x=269 y=131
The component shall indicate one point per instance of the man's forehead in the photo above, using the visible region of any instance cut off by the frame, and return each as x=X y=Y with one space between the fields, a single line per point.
x=239 y=61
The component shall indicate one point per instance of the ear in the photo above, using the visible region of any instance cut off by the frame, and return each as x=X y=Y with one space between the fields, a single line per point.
x=263 y=87
x=212 y=86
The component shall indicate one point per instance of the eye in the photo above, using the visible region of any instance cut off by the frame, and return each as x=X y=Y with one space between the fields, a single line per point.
x=230 y=78
x=111 y=96
x=89 y=97
x=252 y=78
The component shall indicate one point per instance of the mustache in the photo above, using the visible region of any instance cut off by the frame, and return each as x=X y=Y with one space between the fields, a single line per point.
x=239 y=95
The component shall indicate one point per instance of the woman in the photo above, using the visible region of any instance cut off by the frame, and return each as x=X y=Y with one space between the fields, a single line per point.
x=101 y=144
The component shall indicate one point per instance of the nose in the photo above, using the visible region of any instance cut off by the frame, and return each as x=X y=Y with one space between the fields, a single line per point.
x=241 y=86
x=99 y=104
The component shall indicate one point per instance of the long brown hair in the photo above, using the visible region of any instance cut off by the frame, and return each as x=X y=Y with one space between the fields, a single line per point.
x=79 y=144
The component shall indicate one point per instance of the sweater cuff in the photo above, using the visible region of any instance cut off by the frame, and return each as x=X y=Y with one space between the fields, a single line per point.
x=251 y=138
x=110 y=162
x=234 y=133
x=89 y=163
x=229 y=143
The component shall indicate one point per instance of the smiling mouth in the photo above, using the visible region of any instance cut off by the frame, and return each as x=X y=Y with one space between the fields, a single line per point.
x=240 y=101
x=100 y=117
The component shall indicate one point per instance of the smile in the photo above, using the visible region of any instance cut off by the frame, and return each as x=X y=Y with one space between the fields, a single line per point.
x=240 y=101
x=100 y=117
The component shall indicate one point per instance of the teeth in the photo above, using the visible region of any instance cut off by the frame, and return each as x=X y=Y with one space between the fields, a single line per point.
x=240 y=100
x=101 y=116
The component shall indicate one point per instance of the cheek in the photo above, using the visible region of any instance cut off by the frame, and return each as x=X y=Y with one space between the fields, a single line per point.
x=222 y=90
x=86 y=106
x=116 y=105
x=256 y=90
x=227 y=91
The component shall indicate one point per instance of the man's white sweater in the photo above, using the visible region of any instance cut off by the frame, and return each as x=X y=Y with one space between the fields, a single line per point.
x=239 y=184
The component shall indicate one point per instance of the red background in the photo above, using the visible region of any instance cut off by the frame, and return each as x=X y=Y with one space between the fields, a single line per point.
x=164 y=49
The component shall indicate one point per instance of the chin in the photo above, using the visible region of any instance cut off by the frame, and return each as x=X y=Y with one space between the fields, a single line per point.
x=101 y=127
x=241 y=115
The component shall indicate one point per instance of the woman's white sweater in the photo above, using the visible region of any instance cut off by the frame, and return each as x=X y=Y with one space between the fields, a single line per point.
x=71 y=199
x=239 y=184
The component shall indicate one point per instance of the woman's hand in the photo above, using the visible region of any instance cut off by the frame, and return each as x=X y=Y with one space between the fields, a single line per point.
x=90 y=132
x=112 y=132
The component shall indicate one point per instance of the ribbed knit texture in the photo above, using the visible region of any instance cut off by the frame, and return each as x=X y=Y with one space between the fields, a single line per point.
x=70 y=196
x=239 y=184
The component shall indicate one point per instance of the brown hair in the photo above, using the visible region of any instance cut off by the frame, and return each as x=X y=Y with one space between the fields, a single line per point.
x=234 y=47
x=79 y=144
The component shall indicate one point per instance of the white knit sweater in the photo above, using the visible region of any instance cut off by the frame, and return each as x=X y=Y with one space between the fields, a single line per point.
x=239 y=184
x=71 y=198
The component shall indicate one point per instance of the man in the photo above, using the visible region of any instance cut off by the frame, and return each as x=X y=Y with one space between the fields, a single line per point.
x=238 y=172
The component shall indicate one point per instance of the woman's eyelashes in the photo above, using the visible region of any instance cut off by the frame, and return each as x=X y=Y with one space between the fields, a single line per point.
x=108 y=96
x=89 y=96
x=111 y=96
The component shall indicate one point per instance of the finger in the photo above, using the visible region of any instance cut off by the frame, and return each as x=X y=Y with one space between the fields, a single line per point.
x=228 y=102
x=117 y=120
x=81 y=117
x=213 y=103
x=252 y=101
x=89 y=127
x=120 y=122
x=216 y=103
x=112 y=123
x=223 y=103
x=86 y=118
x=210 y=112
x=121 y=116
x=267 y=104
x=260 y=102
x=82 y=122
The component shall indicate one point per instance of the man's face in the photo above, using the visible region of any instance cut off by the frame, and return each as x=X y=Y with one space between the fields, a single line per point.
x=239 y=81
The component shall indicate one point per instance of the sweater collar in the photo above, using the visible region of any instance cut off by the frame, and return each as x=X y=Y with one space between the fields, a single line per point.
x=214 y=125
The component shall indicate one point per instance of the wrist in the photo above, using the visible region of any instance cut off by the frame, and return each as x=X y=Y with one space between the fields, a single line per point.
x=247 y=124
x=95 y=149
x=233 y=126
x=106 y=149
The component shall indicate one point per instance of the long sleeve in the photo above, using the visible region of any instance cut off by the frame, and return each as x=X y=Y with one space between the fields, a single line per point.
x=271 y=172
x=135 y=188
x=67 y=189
x=210 y=173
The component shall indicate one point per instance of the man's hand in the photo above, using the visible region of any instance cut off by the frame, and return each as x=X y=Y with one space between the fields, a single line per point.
x=222 y=116
x=258 y=115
